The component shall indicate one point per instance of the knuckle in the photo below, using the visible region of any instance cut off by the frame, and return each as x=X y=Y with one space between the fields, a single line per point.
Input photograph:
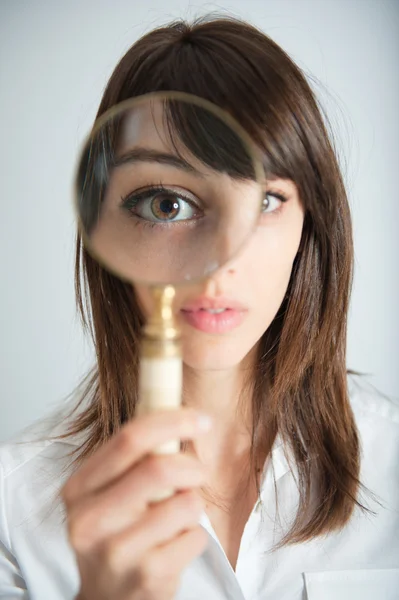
x=67 y=492
x=192 y=503
x=149 y=570
x=109 y=553
x=128 y=441
x=185 y=418
x=78 y=534
x=83 y=528
x=188 y=414
x=192 y=465
x=159 y=469
x=199 y=540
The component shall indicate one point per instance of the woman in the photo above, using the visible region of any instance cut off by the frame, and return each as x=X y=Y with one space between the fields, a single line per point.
x=293 y=493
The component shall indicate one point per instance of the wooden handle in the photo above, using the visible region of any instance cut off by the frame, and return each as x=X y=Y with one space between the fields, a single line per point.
x=161 y=389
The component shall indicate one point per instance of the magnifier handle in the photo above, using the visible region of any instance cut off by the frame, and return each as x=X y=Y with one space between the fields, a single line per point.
x=161 y=389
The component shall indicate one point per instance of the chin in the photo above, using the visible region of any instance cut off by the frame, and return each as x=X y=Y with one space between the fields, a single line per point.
x=213 y=353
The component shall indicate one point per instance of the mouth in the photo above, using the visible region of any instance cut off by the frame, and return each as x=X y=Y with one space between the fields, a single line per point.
x=214 y=316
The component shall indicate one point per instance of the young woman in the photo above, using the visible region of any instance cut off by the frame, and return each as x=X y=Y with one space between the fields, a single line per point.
x=294 y=491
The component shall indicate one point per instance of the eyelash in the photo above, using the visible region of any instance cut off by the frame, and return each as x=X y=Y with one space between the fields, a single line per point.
x=153 y=190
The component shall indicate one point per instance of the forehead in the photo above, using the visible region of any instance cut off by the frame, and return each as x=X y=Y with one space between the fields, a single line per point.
x=144 y=125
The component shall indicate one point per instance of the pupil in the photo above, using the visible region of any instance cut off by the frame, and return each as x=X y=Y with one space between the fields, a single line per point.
x=167 y=206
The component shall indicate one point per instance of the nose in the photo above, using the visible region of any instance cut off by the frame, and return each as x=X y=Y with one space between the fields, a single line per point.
x=218 y=282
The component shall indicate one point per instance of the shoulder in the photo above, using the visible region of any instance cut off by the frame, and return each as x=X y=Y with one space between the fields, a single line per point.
x=377 y=420
x=33 y=534
x=370 y=403
x=376 y=415
x=33 y=466
x=36 y=443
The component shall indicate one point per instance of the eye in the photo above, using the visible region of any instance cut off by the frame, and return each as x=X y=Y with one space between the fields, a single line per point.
x=162 y=205
x=272 y=202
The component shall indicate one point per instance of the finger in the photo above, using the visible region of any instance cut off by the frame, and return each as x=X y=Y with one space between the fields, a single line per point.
x=117 y=508
x=169 y=560
x=165 y=521
x=160 y=571
x=136 y=439
x=155 y=537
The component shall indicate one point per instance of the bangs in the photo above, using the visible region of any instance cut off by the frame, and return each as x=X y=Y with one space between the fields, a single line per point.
x=241 y=75
x=208 y=138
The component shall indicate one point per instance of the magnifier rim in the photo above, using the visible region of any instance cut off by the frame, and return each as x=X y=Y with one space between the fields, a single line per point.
x=119 y=108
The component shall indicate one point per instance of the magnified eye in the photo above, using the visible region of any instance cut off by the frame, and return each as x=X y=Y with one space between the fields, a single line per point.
x=166 y=207
x=161 y=205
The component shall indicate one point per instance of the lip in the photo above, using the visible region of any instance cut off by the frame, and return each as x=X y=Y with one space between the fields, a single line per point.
x=195 y=314
x=213 y=303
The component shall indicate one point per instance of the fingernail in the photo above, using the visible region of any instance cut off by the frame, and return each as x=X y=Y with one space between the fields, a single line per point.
x=205 y=422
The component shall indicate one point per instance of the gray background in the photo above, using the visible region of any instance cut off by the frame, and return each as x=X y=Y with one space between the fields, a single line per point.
x=55 y=58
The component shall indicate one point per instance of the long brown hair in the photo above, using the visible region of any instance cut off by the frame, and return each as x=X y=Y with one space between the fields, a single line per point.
x=300 y=380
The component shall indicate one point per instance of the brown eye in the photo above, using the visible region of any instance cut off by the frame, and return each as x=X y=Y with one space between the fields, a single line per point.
x=162 y=206
x=165 y=207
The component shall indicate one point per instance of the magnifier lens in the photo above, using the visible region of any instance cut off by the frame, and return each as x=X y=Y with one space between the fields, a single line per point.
x=169 y=188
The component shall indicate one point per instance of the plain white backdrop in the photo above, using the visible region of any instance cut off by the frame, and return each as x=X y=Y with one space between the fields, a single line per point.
x=55 y=59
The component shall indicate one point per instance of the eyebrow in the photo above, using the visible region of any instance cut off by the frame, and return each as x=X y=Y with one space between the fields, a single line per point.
x=140 y=154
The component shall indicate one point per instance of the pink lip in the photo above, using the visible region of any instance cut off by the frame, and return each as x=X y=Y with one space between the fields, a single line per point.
x=203 y=303
x=195 y=314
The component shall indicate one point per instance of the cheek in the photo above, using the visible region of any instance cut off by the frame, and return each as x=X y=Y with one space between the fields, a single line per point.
x=272 y=255
x=144 y=299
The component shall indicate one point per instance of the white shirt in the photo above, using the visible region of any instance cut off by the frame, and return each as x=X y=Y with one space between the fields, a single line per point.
x=361 y=562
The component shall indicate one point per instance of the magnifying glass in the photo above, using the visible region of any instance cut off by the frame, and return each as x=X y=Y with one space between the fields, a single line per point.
x=169 y=188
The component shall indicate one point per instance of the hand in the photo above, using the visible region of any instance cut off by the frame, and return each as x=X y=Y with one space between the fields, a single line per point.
x=126 y=547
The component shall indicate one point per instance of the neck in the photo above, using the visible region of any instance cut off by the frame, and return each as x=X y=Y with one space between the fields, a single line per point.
x=226 y=396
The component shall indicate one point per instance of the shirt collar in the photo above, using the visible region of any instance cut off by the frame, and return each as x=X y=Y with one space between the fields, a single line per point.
x=277 y=463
